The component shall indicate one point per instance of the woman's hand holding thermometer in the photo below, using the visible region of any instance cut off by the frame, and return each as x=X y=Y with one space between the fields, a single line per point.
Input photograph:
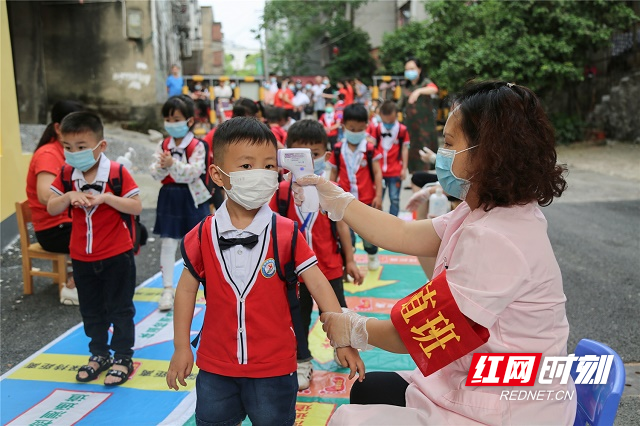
x=300 y=163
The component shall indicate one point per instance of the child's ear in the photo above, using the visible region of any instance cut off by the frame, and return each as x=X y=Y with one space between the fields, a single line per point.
x=191 y=121
x=216 y=176
x=103 y=147
x=327 y=155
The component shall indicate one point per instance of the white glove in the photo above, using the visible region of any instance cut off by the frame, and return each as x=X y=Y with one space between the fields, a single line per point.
x=427 y=156
x=333 y=199
x=346 y=329
x=421 y=196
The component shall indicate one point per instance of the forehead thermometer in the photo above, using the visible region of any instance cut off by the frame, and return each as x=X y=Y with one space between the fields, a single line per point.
x=300 y=163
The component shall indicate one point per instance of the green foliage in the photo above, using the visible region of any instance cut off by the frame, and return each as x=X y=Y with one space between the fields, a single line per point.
x=296 y=30
x=353 y=59
x=569 y=128
x=539 y=44
x=228 y=66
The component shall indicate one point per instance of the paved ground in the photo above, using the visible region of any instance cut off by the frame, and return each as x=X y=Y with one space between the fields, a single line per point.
x=594 y=230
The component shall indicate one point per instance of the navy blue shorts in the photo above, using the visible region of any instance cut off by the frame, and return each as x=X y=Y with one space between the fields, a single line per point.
x=226 y=401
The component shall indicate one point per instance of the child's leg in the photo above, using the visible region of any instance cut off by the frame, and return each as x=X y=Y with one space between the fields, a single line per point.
x=91 y=294
x=394 y=184
x=119 y=277
x=338 y=288
x=218 y=400
x=271 y=400
x=369 y=248
x=167 y=260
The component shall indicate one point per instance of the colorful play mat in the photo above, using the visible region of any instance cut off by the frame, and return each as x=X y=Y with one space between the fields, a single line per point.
x=42 y=389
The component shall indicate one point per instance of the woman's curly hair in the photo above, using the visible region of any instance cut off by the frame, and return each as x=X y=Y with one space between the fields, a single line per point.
x=516 y=145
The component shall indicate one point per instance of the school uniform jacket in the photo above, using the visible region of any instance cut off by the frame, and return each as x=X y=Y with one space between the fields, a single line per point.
x=247 y=330
x=98 y=232
x=354 y=175
x=316 y=228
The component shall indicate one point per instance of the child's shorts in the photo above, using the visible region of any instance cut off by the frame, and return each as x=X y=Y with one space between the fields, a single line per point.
x=223 y=400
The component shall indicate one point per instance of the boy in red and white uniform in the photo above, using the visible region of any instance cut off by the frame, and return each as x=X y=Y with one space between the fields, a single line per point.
x=276 y=118
x=332 y=239
x=331 y=122
x=247 y=354
x=356 y=167
x=392 y=142
x=101 y=248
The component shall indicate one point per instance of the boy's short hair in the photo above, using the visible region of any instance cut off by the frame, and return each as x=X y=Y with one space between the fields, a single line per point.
x=182 y=103
x=275 y=114
x=355 y=112
x=80 y=122
x=388 y=108
x=329 y=101
x=306 y=132
x=241 y=129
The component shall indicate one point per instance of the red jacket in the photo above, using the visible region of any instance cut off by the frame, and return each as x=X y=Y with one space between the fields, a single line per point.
x=248 y=334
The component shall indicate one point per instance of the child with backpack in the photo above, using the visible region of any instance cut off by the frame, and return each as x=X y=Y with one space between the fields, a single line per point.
x=248 y=258
x=180 y=163
x=392 y=142
x=332 y=239
x=331 y=122
x=101 y=247
x=356 y=167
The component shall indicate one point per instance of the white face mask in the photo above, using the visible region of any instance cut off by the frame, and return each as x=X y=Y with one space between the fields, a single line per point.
x=252 y=188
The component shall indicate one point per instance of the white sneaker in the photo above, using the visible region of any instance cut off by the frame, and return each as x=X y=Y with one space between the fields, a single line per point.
x=374 y=262
x=69 y=296
x=305 y=371
x=166 y=300
x=336 y=359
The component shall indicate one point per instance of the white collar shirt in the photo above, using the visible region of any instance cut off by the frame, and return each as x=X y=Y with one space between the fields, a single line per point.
x=353 y=160
x=242 y=261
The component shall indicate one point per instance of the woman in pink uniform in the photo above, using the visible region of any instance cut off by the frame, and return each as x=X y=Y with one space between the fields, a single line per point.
x=496 y=256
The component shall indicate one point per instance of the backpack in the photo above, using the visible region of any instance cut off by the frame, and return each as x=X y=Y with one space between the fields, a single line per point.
x=208 y=155
x=369 y=155
x=284 y=200
x=402 y=132
x=286 y=273
x=137 y=231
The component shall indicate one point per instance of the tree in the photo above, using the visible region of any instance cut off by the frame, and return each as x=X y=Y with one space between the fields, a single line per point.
x=541 y=44
x=297 y=30
x=228 y=64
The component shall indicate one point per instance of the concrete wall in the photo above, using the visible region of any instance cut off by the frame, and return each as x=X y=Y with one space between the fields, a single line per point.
x=73 y=50
x=13 y=163
x=376 y=17
x=28 y=60
x=166 y=46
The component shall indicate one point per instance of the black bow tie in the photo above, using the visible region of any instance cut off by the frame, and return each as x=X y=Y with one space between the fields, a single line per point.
x=91 y=186
x=227 y=243
x=386 y=135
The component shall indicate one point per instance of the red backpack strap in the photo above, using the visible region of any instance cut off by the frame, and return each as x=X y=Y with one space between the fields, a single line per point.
x=192 y=147
x=66 y=172
x=165 y=144
x=401 y=136
x=283 y=195
x=336 y=156
x=369 y=154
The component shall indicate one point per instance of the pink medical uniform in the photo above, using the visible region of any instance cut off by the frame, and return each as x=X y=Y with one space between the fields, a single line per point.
x=503 y=274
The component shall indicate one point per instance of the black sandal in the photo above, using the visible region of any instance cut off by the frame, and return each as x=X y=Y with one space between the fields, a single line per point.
x=126 y=362
x=104 y=363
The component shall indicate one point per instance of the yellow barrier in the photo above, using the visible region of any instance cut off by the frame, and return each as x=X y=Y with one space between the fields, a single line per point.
x=249 y=79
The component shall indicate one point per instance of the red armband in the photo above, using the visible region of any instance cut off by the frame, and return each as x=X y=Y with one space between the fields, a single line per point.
x=432 y=327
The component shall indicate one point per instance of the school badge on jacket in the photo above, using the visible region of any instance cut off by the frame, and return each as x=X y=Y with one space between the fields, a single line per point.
x=268 y=268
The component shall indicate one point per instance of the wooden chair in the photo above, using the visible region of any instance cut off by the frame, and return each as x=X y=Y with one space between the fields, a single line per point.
x=35 y=251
